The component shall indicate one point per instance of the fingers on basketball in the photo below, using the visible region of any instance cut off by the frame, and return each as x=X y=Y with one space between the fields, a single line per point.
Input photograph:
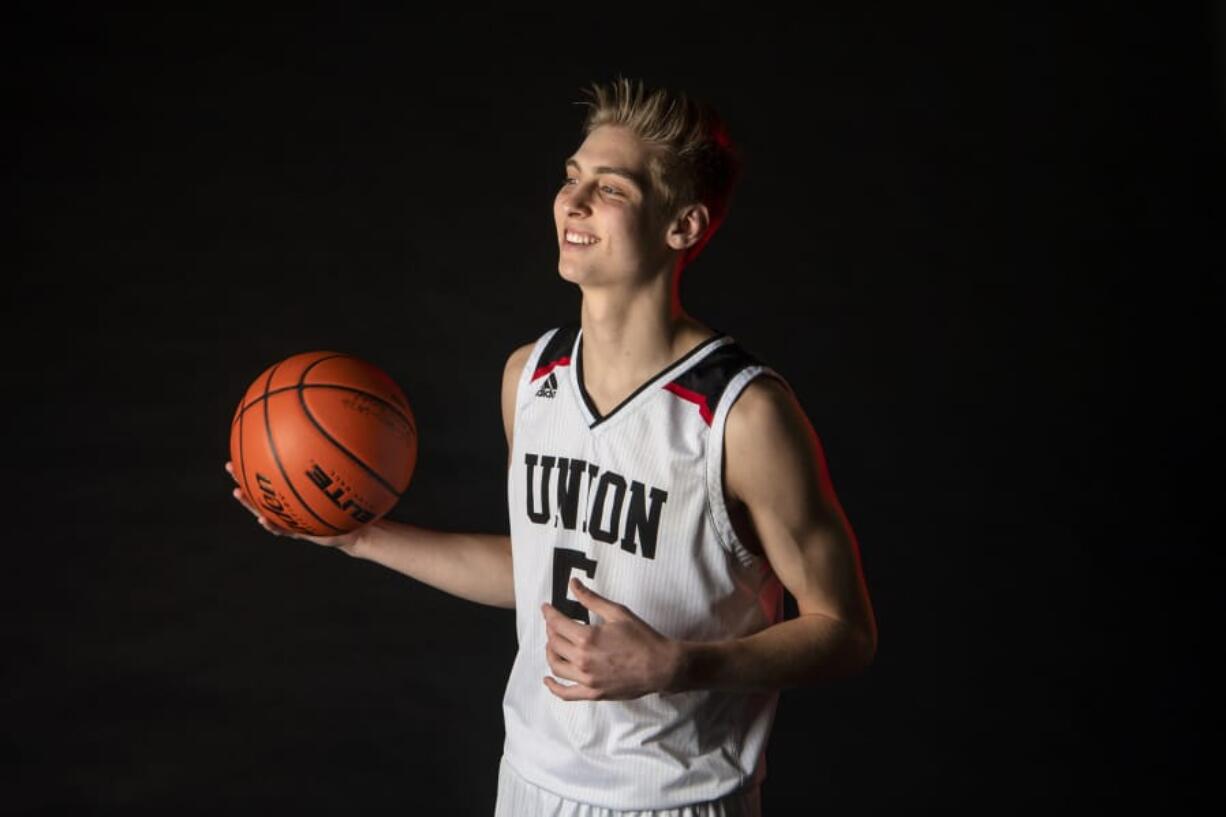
x=237 y=493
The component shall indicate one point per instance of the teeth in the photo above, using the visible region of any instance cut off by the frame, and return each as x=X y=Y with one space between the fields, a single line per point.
x=576 y=238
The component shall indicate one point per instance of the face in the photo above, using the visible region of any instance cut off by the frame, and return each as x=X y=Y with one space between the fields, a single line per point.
x=607 y=197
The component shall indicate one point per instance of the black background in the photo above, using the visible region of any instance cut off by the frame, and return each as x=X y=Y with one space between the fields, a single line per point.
x=983 y=247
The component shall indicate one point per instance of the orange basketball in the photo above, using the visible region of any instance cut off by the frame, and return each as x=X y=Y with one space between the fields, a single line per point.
x=323 y=443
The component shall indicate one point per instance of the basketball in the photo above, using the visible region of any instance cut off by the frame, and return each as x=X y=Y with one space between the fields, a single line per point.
x=323 y=443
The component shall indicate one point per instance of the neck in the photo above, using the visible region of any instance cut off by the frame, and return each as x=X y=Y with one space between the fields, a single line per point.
x=630 y=334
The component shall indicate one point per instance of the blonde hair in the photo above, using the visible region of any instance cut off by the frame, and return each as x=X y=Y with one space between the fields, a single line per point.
x=691 y=157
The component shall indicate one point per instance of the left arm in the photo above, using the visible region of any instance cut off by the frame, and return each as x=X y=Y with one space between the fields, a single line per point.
x=775 y=467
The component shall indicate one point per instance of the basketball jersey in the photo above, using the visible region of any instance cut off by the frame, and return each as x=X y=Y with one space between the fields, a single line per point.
x=632 y=504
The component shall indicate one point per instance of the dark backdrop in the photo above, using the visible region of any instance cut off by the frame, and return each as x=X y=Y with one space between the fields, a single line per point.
x=982 y=247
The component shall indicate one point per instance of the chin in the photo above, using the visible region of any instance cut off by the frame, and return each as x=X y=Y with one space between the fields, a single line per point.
x=571 y=272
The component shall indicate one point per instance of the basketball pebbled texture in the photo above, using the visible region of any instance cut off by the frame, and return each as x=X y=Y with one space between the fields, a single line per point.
x=323 y=443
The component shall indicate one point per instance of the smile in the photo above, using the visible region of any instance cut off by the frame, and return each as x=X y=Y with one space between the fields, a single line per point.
x=579 y=239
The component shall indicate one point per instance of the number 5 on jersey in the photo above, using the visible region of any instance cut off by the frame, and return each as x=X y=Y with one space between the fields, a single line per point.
x=564 y=562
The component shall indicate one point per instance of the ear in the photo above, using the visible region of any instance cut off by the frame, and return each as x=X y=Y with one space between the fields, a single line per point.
x=688 y=227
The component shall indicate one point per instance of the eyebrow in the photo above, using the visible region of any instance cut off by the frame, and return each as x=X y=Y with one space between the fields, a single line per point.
x=616 y=171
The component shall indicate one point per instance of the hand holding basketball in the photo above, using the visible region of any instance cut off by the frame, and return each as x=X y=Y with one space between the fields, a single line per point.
x=345 y=542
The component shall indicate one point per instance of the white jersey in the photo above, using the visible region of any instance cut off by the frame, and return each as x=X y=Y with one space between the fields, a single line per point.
x=632 y=504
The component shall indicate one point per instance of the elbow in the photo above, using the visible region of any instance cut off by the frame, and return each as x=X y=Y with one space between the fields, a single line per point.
x=867 y=649
x=870 y=655
x=854 y=654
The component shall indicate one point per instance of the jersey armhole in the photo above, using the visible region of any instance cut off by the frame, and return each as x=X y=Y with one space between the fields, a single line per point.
x=716 y=501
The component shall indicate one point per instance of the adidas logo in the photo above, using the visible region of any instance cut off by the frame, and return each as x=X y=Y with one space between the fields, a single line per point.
x=549 y=388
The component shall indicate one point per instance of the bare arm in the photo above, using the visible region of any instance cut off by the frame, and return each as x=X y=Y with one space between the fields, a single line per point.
x=776 y=467
x=472 y=566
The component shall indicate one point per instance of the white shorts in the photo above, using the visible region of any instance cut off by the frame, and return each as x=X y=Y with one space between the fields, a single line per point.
x=519 y=798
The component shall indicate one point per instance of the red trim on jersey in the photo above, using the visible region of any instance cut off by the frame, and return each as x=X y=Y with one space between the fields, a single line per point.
x=694 y=397
x=548 y=367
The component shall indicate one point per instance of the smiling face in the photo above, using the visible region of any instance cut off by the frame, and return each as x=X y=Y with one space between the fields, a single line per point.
x=607 y=197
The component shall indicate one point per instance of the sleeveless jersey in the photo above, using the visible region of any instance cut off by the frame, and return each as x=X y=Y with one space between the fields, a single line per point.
x=632 y=504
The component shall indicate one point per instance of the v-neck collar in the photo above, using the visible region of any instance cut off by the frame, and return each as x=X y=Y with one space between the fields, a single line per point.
x=673 y=369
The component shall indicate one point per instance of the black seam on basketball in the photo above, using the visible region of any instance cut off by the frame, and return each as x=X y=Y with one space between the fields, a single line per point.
x=307 y=411
x=372 y=396
x=268 y=393
x=277 y=457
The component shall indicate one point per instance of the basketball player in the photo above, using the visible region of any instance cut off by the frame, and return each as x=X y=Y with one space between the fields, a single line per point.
x=665 y=488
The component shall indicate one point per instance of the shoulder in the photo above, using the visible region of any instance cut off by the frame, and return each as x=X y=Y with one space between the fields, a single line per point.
x=510 y=383
x=556 y=345
x=516 y=362
x=766 y=407
x=511 y=372
x=559 y=342
x=765 y=402
x=766 y=429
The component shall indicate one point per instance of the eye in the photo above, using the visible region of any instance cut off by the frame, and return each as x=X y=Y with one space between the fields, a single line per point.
x=611 y=190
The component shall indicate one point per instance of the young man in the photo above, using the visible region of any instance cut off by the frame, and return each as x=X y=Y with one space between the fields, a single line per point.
x=665 y=487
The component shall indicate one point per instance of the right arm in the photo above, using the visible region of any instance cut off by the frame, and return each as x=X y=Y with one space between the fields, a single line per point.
x=473 y=566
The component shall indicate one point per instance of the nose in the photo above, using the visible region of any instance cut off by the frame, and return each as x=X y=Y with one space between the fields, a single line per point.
x=577 y=201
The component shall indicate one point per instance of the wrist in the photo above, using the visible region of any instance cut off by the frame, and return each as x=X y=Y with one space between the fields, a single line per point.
x=687 y=666
x=359 y=546
x=706 y=664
